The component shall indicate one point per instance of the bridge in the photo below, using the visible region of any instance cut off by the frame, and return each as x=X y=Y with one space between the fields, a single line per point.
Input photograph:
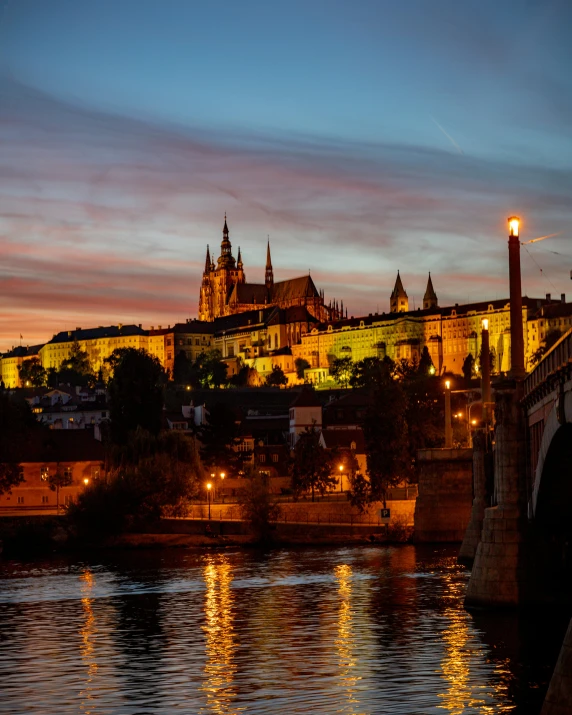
x=520 y=531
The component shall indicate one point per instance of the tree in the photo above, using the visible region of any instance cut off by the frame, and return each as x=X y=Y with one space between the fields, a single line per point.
x=32 y=373
x=370 y=371
x=210 y=370
x=16 y=423
x=552 y=337
x=426 y=366
x=78 y=360
x=258 y=508
x=218 y=438
x=468 y=367
x=276 y=377
x=386 y=437
x=341 y=370
x=300 y=364
x=183 y=369
x=58 y=480
x=150 y=476
x=312 y=465
x=135 y=392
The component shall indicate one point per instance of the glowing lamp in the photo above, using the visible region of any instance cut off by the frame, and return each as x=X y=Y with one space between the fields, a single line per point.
x=448 y=384
x=485 y=323
x=473 y=422
x=222 y=475
x=86 y=481
x=341 y=467
x=209 y=486
x=432 y=370
x=513 y=226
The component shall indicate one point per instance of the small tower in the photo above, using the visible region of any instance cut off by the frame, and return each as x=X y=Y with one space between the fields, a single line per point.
x=239 y=260
x=430 y=297
x=399 y=302
x=269 y=274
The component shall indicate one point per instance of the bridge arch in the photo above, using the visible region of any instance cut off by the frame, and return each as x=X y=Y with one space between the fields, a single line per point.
x=552 y=491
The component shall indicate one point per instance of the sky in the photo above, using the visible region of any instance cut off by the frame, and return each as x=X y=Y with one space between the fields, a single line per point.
x=362 y=137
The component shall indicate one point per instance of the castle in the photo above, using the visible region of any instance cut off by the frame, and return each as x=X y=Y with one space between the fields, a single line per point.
x=224 y=290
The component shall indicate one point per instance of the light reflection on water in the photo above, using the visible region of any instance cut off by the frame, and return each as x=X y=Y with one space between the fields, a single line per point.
x=357 y=631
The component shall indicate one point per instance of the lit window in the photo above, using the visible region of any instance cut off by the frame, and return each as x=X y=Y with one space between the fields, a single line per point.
x=262 y=458
x=274 y=457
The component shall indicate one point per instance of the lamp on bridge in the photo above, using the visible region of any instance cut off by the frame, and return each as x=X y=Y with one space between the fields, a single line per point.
x=485 y=368
x=516 y=334
x=341 y=468
x=448 y=428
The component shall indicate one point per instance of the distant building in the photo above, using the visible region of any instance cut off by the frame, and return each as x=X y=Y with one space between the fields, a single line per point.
x=224 y=290
x=13 y=360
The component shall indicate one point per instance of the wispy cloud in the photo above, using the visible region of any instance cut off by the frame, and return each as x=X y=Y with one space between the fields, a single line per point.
x=106 y=219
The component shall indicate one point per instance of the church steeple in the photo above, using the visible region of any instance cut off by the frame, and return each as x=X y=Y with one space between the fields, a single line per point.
x=399 y=302
x=430 y=297
x=269 y=274
x=208 y=262
x=226 y=259
x=239 y=260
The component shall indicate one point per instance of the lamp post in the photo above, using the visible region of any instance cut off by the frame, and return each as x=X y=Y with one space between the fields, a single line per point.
x=209 y=487
x=222 y=476
x=516 y=336
x=485 y=368
x=341 y=468
x=448 y=428
x=86 y=481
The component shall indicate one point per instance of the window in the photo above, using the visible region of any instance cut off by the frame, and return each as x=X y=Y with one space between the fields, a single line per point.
x=95 y=472
x=68 y=472
x=169 y=341
x=45 y=500
x=353 y=446
x=262 y=458
x=169 y=356
x=68 y=499
x=20 y=500
x=197 y=341
x=231 y=351
x=44 y=473
x=274 y=457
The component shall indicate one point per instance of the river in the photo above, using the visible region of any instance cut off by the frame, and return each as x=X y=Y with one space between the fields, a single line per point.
x=357 y=630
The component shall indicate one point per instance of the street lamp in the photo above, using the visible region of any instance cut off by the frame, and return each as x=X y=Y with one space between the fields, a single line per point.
x=209 y=487
x=516 y=333
x=341 y=468
x=86 y=481
x=448 y=429
x=222 y=476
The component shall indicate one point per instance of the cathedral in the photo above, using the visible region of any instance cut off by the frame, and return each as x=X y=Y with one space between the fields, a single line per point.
x=224 y=290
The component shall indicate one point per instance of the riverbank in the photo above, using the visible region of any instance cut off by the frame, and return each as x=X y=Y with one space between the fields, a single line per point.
x=47 y=534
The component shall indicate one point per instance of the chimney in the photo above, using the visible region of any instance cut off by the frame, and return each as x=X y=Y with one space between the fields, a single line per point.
x=563 y=297
x=548 y=297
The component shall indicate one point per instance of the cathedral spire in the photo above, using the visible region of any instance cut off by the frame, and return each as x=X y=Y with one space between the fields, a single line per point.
x=226 y=259
x=399 y=302
x=430 y=297
x=239 y=260
x=208 y=261
x=269 y=275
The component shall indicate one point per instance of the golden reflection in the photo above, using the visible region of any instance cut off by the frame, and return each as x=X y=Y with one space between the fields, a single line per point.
x=87 y=647
x=345 y=641
x=220 y=666
x=459 y=697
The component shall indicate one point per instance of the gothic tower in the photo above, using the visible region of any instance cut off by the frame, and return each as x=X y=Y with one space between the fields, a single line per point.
x=399 y=302
x=269 y=274
x=430 y=297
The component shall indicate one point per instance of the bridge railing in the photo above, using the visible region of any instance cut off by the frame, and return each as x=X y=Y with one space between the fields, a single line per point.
x=557 y=357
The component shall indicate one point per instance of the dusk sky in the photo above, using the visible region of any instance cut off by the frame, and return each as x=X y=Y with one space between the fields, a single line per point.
x=362 y=136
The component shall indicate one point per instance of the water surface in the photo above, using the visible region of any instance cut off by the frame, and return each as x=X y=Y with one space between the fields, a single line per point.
x=341 y=630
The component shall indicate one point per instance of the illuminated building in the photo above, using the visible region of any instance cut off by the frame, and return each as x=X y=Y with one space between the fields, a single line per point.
x=450 y=334
x=12 y=361
x=224 y=290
